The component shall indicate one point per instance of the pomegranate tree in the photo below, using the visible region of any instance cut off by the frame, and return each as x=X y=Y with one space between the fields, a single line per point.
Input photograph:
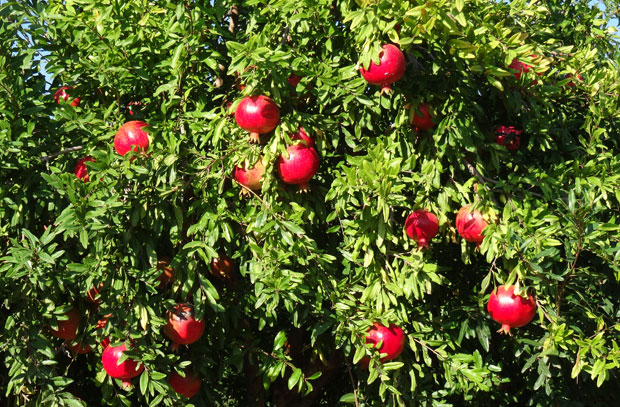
x=258 y=115
x=470 y=224
x=250 y=178
x=298 y=165
x=62 y=93
x=67 y=328
x=80 y=170
x=422 y=119
x=510 y=310
x=182 y=328
x=126 y=370
x=508 y=137
x=390 y=69
x=130 y=136
x=421 y=226
x=187 y=386
x=392 y=340
x=92 y=295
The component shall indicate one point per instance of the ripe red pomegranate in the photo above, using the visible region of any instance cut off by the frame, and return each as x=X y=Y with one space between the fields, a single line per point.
x=508 y=137
x=421 y=226
x=521 y=67
x=80 y=168
x=393 y=340
x=470 y=224
x=167 y=273
x=131 y=137
x=294 y=80
x=91 y=295
x=62 y=93
x=422 y=119
x=390 y=69
x=187 y=386
x=67 y=329
x=250 y=178
x=258 y=115
x=510 y=310
x=126 y=370
x=300 y=165
x=223 y=268
x=182 y=328
x=571 y=83
x=77 y=347
x=305 y=137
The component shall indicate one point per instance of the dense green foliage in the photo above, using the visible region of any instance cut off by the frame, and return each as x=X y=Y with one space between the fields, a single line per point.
x=315 y=270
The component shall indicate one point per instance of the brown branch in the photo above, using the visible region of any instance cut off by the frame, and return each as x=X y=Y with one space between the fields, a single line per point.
x=46 y=158
x=348 y=364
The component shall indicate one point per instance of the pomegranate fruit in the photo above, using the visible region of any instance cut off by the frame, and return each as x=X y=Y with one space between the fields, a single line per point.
x=187 y=386
x=294 y=80
x=182 y=328
x=470 y=224
x=258 y=115
x=250 y=178
x=508 y=137
x=302 y=135
x=390 y=69
x=223 y=268
x=67 y=329
x=422 y=119
x=80 y=169
x=421 y=226
x=300 y=165
x=167 y=273
x=91 y=295
x=130 y=136
x=126 y=370
x=62 y=93
x=392 y=338
x=510 y=310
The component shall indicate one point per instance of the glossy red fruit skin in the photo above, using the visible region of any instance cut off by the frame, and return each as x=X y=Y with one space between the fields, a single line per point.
x=393 y=339
x=80 y=169
x=390 y=69
x=67 y=329
x=300 y=166
x=182 y=328
x=510 y=310
x=62 y=93
x=508 y=137
x=125 y=371
x=250 y=178
x=187 y=386
x=470 y=224
x=421 y=226
x=294 y=80
x=258 y=115
x=520 y=67
x=423 y=120
x=308 y=139
x=130 y=136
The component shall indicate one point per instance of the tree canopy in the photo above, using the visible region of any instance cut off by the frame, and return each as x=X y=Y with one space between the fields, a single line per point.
x=511 y=107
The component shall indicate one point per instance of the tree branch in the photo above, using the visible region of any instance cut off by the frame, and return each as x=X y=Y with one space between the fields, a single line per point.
x=46 y=158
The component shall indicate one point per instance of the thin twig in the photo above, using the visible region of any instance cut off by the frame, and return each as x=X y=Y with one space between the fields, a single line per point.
x=357 y=403
x=46 y=158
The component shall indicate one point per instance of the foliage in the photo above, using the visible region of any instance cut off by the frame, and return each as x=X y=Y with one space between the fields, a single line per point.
x=315 y=270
